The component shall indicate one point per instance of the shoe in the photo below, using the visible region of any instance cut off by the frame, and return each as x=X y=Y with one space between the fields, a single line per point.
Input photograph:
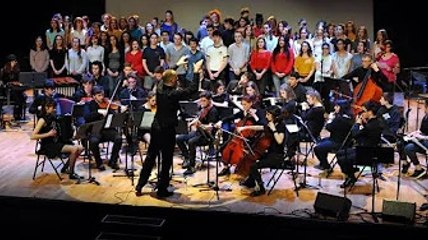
x=289 y=165
x=348 y=182
x=423 y=207
x=64 y=169
x=418 y=173
x=75 y=176
x=101 y=168
x=380 y=176
x=405 y=168
x=320 y=167
x=138 y=192
x=164 y=193
x=259 y=192
x=114 y=166
x=224 y=172
x=248 y=183
x=189 y=171
x=186 y=164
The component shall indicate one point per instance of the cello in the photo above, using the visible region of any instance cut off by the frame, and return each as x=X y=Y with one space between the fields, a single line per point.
x=365 y=91
x=236 y=149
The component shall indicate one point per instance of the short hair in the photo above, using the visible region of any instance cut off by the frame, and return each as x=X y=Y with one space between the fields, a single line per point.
x=159 y=69
x=371 y=106
x=205 y=94
x=294 y=75
x=169 y=75
x=49 y=84
x=389 y=97
x=314 y=93
x=193 y=39
x=216 y=33
x=97 y=90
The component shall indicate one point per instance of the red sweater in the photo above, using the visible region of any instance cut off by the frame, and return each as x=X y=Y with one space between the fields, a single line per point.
x=282 y=64
x=136 y=62
x=260 y=60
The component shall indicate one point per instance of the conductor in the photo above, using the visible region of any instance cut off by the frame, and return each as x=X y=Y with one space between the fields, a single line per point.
x=163 y=128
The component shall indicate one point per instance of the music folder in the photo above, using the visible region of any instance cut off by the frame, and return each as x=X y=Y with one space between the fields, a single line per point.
x=147 y=120
x=115 y=120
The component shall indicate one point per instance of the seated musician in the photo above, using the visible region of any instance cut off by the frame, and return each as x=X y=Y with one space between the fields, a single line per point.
x=96 y=112
x=339 y=123
x=48 y=93
x=248 y=115
x=149 y=106
x=9 y=76
x=367 y=133
x=392 y=120
x=298 y=88
x=236 y=87
x=132 y=91
x=313 y=114
x=287 y=98
x=274 y=157
x=46 y=132
x=417 y=140
x=200 y=134
x=84 y=93
x=358 y=74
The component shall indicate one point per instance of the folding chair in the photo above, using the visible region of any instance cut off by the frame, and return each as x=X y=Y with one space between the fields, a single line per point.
x=41 y=162
x=279 y=171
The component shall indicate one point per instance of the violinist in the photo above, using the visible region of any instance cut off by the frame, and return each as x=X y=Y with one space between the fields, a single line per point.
x=84 y=94
x=46 y=132
x=339 y=123
x=367 y=132
x=249 y=115
x=274 y=157
x=287 y=98
x=200 y=134
x=98 y=111
x=313 y=113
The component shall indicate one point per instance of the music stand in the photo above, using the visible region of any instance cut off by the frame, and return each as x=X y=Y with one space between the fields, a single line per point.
x=85 y=132
x=210 y=185
x=304 y=184
x=372 y=156
x=338 y=84
x=189 y=109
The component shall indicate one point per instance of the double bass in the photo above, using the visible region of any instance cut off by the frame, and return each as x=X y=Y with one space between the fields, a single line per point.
x=365 y=91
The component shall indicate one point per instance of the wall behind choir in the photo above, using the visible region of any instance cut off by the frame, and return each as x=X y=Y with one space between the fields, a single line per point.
x=189 y=12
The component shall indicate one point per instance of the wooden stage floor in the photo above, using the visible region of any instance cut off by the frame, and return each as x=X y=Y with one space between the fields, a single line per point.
x=17 y=161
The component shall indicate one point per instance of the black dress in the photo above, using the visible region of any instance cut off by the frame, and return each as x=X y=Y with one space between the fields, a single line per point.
x=50 y=146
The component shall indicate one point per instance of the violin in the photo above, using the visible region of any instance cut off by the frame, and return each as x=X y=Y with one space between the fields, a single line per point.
x=108 y=104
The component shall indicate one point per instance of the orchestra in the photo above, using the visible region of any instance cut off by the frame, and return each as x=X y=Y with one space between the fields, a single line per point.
x=266 y=92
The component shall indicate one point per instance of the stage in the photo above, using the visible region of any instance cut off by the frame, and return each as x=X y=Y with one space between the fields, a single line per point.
x=18 y=159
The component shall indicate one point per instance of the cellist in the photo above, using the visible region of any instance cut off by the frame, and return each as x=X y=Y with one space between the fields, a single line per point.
x=358 y=74
x=248 y=116
x=274 y=156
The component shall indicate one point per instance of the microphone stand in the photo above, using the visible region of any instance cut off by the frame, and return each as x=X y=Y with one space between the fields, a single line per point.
x=304 y=184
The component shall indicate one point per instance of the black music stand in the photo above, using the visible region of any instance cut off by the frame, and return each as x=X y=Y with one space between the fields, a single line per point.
x=85 y=132
x=371 y=157
x=189 y=109
x=210 y=185
x=304 y=184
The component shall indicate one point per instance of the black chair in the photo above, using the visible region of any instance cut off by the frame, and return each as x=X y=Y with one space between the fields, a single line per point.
x=42 y=158
x=278 y=172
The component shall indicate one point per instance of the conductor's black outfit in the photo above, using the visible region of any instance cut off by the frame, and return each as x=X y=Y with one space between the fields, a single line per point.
x=163 y=133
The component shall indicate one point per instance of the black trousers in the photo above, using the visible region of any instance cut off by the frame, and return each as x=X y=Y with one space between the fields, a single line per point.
x=107 y=135
x=162 y=141
x=270 y=160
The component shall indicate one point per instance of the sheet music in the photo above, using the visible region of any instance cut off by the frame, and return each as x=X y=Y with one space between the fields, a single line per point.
x=108 y=121
x=292 y=128
x=147 y=120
